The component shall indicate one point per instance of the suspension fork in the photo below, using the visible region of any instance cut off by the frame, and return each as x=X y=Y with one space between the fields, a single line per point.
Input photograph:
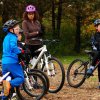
x=46 y=64
x=27 y=80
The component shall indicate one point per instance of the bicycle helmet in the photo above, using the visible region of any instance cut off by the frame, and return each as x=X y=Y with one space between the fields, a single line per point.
x=96 y=22
x=9 y=24
x=30 y=8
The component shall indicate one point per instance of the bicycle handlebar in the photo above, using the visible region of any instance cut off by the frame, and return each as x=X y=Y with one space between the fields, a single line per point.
x=46 y=40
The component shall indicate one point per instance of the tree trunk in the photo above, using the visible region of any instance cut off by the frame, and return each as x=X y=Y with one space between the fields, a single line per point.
x=59 y=18
x=78 y=32
x=53 y=19
x=9 y=9
x=5 y=14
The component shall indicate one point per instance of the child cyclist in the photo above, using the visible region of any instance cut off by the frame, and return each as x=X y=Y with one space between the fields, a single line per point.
x=10 y=62
x=96 y=46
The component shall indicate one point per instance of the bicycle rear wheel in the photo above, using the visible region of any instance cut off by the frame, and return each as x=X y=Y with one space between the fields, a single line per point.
x=76 y=73
x=57 y=77
x=38 y=89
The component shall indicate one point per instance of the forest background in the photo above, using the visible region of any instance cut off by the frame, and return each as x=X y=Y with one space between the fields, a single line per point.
x=70 y=21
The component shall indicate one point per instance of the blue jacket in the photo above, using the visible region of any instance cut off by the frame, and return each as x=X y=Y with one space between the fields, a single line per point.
x=10 y=49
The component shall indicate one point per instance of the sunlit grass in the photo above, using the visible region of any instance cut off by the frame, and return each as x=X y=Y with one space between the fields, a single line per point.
x=69 y=59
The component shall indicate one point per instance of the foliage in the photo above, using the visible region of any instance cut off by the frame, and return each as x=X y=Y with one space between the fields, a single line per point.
x=87 y=9
x=88 y=26
x=69 y=59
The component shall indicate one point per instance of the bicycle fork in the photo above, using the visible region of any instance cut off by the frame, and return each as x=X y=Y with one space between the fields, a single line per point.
x=27 y=81
x=50 y=69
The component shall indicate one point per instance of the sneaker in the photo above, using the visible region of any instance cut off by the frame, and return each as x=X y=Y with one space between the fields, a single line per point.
x=7 y=87
x=98 y=87
x=89 y=71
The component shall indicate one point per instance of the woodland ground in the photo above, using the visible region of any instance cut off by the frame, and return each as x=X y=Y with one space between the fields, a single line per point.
x=88 y=91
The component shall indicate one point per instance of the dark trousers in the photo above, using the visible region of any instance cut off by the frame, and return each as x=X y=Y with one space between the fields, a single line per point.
x=95 y=58
x=33 y=48
x=99 y=72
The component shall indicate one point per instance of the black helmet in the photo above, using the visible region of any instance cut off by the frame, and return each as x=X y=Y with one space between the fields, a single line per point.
x=9 y=24
x=96 y=22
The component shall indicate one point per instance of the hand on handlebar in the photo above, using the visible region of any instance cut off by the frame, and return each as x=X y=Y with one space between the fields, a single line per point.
x=22 y=51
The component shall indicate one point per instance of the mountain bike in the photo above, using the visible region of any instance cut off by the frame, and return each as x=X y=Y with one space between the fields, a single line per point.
x=26 y=59
x=50 y=65
x=36 y=89
x=35 y=85
x=77 y=70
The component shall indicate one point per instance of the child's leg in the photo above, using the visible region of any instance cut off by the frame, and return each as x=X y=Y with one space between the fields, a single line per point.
x=17 y=73
x=99 y=74
x=6 y=84
x=96 y=56
x=99 y=70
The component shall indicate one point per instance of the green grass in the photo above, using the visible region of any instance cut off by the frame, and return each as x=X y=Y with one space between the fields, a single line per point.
x=69 y=59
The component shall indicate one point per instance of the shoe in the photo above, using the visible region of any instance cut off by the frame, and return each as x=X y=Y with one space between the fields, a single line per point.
x=7 y=87
x=89 y=71
x=98 y=87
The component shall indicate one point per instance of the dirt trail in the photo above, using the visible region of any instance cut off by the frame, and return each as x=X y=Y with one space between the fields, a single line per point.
x=88 y=91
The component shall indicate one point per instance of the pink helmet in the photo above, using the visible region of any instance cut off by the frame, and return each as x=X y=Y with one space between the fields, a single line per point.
x=30 y=8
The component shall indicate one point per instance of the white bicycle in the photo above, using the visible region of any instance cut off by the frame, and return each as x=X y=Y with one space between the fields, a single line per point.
x=13 y=92
x=29 y=87
x=50 y=65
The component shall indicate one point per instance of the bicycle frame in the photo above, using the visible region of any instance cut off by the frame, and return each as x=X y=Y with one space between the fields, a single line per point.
x=4 y=76
x=42 y=51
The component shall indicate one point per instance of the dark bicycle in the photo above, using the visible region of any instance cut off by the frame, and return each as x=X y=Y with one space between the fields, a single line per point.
x=77 y=70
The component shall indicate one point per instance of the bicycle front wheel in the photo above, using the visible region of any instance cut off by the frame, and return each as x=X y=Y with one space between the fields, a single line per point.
x=44 y=76
x=56 y=76
x=76 y=73
x=37 y=90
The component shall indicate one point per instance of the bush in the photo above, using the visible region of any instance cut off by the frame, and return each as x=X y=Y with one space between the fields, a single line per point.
x=67 y=40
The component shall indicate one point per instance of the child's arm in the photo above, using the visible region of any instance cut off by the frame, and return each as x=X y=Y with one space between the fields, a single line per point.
x=14 y=47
